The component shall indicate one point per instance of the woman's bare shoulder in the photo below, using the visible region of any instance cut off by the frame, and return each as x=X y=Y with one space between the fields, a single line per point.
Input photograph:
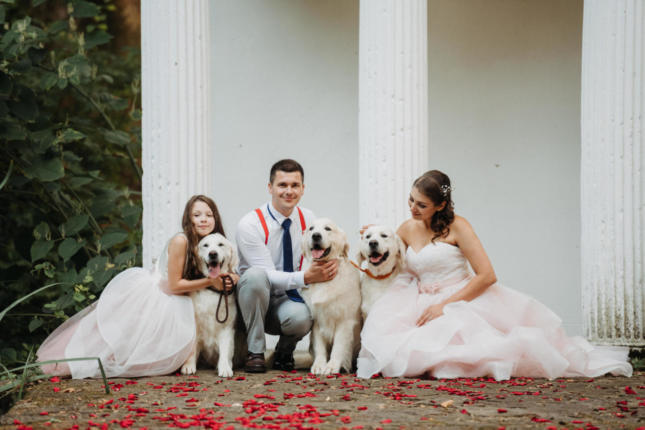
x=405 y=227
x=178 y=241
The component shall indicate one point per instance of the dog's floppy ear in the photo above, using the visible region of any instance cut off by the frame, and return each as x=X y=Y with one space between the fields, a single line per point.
x=235 y=260
x=306 y=252
x=360 y=257
x=401 y=254
x=343 y=239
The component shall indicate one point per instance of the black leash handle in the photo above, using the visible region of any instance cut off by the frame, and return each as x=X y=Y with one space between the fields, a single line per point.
x=226 y=279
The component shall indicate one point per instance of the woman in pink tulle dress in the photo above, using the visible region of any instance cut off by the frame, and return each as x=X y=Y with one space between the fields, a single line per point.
x=143 y=324
x=440 y=319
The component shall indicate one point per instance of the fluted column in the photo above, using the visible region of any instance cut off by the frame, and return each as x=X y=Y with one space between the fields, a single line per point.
x=613 y=171
x=393 y=106
x=175 y=88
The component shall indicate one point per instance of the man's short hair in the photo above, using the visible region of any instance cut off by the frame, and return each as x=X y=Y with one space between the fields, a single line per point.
x=287 y=165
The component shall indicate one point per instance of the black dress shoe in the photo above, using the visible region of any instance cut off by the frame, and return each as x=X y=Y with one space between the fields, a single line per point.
x=255 y=363
x=283 y=360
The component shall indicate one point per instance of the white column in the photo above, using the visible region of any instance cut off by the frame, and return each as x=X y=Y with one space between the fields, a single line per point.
x=613 y=171
x=393 y=106
x=175 y=87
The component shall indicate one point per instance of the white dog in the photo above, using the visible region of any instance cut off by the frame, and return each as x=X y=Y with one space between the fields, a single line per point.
x=215 y=340
x=385 y=255
x=334 y=305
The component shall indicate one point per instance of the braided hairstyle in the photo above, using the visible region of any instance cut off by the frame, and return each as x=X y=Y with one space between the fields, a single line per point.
x=435 y=185
x=191 y=267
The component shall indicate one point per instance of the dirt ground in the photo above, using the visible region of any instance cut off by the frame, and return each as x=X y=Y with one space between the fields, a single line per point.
x=299 y=400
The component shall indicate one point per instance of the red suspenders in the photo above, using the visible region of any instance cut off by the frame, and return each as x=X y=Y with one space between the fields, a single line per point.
x=303 y=226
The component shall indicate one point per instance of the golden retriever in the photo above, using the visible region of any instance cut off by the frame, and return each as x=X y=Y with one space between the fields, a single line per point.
x=385 y=255
x=215 y=340
x=334 y=305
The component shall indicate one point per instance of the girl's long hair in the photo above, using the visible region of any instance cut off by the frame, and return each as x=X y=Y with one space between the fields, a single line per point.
x=435 y=185
x=191 y=267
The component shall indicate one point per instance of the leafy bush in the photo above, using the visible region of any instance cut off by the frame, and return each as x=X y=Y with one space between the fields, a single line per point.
x=70 y=172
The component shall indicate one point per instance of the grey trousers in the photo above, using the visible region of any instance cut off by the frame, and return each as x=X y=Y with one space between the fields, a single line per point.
x=276 y=315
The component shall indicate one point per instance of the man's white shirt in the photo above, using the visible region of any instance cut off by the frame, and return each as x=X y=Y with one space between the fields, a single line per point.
x=253 y=252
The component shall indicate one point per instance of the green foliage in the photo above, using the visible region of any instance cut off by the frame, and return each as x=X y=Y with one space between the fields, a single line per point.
x=70 y=144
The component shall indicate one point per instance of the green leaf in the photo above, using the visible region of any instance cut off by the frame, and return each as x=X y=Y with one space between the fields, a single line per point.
x=42 y=231
x=69 y=135
x=34 y=324
x=8 y=355
x=118 y=137
x=57 y=26
x=97 y=264
x=125 y=258
x=79 y=181
x=131 y=215
x=47 y=268
x=74 y=68
x=102 y=278
x=46 y=170
x=84 y=9
x=2 y=14
x=68 y=248
x=40 y=248
x=36 y=3
x=95 y=38
x=110 y=239
x=26 y=106
x=74 y=224
x=48 y=80
x=65 y=301
x=79 y=297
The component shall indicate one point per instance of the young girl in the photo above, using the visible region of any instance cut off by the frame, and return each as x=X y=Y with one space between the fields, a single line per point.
x=143 y=323
x=443 y=320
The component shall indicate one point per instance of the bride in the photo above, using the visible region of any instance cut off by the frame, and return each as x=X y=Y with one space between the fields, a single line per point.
x=441 y=319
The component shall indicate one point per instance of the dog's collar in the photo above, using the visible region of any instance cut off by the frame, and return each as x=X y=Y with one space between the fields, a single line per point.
x=370 y=274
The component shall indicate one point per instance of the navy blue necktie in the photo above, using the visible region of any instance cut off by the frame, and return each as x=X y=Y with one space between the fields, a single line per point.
x=287 y=256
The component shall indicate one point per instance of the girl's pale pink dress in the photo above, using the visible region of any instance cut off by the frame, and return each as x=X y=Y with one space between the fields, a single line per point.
x=135 y=327
x=501 y=333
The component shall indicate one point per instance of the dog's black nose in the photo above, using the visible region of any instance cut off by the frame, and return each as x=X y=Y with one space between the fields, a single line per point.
x=212 y=254
x=316 y=237
x=373 y=244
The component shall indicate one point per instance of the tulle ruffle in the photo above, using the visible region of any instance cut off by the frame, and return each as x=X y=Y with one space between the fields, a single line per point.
x=135 y=328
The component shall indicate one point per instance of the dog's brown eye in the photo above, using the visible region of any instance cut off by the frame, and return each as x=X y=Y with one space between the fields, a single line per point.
x=384 y=236
x=220 y=244
x=327 y=228
x=368 y=236
x=205 y=245
x=311 y=228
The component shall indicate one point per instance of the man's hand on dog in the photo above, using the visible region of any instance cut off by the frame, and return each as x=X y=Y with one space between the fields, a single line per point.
x=321 y=271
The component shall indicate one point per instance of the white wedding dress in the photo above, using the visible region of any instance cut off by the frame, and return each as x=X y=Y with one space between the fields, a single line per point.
x=501 y=333
x=135 y=328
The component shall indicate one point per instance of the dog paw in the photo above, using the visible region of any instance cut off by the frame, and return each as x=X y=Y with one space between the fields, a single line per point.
x=331 y=368
x=318 y=368
x=188 y=369
x=224 y=371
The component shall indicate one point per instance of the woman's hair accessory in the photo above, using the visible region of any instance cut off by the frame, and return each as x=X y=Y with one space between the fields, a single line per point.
x=445 y=189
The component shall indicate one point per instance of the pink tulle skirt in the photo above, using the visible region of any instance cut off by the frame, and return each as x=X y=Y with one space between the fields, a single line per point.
x=501 y=333
x=135 y=328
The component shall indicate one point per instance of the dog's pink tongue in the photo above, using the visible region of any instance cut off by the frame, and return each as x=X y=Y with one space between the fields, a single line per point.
x=375 y=259
x=213 y=272
x=317 y=253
